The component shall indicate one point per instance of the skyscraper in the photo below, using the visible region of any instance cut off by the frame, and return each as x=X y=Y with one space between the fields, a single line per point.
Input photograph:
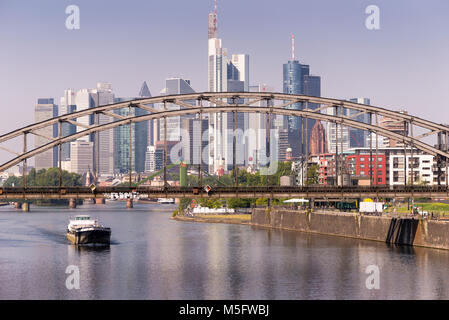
x=45 y=109
x=139 y=141
x=358 y=137
x=103 y=96
x=174 y=86
x=81 y=156
x=297 y=80
x=67 y=105
x=336 y=133
x=145 y=93
x=238 y=69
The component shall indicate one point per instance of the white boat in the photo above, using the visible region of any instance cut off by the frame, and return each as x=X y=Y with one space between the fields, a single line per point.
x=166 y=200
x=84 y=230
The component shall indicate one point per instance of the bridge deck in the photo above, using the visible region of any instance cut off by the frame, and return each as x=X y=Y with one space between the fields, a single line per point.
x=316 y=192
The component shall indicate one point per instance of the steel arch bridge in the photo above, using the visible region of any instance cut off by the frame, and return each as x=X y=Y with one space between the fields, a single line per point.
x=235 y=102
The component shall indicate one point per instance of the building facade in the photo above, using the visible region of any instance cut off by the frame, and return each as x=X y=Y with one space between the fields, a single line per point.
x=45 y=109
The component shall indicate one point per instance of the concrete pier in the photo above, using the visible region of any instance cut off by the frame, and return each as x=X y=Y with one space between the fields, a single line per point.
x=26 y=207
x=72 y=203
x=129 y=203
x=100 y=201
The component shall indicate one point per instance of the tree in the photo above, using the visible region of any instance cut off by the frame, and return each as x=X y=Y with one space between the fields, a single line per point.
x=313 y=174
x=46 y=178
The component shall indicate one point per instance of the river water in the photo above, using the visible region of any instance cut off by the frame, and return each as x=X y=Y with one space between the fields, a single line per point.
x=153 y=257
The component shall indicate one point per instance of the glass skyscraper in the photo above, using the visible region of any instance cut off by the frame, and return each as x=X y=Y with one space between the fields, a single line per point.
x=139 y=138
x=297 y=80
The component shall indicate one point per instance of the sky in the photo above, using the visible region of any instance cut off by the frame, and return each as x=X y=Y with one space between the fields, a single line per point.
x=404 y=64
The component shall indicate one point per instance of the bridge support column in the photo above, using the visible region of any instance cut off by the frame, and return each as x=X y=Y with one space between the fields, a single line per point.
x=17 y=205
x=100 y=201
x=26 y=207
x=72 y=203
x=129 y=203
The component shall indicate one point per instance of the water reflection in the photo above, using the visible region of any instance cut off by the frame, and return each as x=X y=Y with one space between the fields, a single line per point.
x=152 y=257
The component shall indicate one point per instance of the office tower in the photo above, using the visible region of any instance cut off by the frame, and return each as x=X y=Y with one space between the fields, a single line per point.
x=297 y=80
x=81 y=156
x=397 y=126
x=45 y=109
x=336 y=133
x=318 y=143
x=150 y=159
x=145 y=93
x=103 y=96
x=195 y=142
x=217 y=64
x=174 y=153
x=358 y=137
x=85 y=99
x=67 y=105
x=238 y=69
x=174 y=86
x=121 y=138
x=283 y=144
x=257 y=122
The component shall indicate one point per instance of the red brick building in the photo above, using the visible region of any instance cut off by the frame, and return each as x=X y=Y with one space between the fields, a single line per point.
x=359 y=165
x=326 y=161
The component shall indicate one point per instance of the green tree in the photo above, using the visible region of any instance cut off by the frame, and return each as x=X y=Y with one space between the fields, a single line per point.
x=313 y=174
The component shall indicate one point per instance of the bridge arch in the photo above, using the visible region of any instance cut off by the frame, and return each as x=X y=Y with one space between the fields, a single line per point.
x=276 y=103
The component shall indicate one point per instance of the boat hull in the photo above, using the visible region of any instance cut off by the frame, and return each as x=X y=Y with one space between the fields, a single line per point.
x=100 y=236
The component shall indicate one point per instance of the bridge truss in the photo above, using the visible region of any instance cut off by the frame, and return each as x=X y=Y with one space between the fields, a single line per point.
x=234 y=102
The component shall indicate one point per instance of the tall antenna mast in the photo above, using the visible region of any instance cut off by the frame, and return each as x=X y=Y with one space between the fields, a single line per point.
x=216 y=15
x=293 y=47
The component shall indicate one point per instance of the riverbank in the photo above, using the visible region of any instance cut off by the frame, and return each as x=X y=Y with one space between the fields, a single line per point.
x=215 y=218
x=397 y=229
x=400 y=230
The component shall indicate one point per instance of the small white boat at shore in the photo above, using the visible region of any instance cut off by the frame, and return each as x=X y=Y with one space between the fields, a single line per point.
x=166 y=200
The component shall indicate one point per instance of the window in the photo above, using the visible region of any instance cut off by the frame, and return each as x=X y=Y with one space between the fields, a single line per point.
x=362 y=159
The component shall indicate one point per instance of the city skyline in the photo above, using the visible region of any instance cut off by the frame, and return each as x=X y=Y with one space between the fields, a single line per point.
x=119 y=67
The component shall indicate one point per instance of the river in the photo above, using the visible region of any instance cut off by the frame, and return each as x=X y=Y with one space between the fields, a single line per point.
x=153 y=257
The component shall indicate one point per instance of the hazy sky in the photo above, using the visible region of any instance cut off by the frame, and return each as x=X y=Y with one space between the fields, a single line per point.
x=404 y=64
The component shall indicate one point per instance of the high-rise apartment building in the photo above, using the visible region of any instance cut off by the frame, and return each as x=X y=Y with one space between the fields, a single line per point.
x=45 y=109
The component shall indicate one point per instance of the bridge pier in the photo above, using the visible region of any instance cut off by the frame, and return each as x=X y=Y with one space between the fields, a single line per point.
x=100 y=201
x=17 y=205
x=129 y=203
x=26 y=207
x=72 y=203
